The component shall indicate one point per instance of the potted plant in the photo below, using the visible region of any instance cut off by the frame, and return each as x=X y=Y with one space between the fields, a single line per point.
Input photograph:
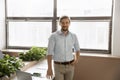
x=34 y=54
x=9 y=65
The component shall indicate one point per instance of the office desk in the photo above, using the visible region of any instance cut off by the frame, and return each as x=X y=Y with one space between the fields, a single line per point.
x=40 y=67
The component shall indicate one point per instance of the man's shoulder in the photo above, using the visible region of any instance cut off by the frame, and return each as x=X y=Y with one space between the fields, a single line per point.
x=54 y=34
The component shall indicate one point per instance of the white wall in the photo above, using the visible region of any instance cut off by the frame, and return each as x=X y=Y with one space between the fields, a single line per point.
x=2 y=24
x=116 y=29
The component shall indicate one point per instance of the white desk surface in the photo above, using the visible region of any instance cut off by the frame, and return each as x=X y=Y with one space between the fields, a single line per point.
x=40 y=67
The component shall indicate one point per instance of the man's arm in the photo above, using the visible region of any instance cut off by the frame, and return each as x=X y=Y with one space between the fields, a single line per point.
x=50 y=53
x=49 y=61
x=77 y=50
x=49 y=70
x=77 y=55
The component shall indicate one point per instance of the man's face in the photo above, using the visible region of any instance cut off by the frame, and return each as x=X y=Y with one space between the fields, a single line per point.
x=65 y=24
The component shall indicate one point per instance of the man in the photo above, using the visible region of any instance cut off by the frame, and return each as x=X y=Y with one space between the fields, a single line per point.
x=60 y=49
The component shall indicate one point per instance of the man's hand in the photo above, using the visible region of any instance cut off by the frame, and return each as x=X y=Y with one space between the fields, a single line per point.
x=76 y=58
x=74 y=62
x=49 y=74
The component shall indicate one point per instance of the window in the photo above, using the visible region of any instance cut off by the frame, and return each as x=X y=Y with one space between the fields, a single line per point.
x=29 y=34
x=30 y=24
x=91 y=35
x=30 y=8
x=84 y=8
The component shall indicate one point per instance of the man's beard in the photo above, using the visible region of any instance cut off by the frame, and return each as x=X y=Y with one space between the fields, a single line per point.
x=64 y=29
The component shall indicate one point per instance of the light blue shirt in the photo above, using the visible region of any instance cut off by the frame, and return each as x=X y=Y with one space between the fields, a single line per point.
x=61 y=46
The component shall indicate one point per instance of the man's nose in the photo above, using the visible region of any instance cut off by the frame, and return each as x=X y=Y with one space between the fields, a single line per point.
x=64 y=24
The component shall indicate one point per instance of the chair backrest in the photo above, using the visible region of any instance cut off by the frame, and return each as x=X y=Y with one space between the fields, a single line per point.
x=1 y=54
x=23 y=75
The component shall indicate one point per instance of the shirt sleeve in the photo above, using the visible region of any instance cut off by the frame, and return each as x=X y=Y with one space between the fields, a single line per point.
x=76 y=44
x=51 y=45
